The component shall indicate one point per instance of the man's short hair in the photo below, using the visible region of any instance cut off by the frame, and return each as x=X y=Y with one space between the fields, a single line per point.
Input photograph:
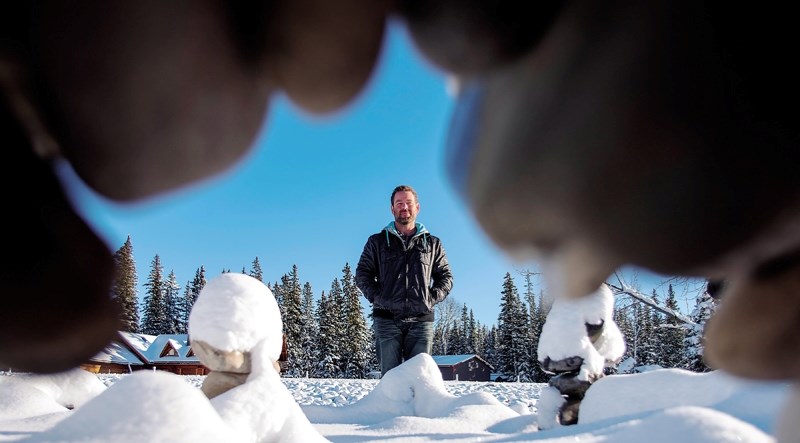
x=400 y=189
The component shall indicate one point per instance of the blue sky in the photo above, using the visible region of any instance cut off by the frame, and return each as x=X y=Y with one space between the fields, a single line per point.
x=313 y=189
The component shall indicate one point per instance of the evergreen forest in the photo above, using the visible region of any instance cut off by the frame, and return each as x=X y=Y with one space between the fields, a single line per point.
x=329 y=334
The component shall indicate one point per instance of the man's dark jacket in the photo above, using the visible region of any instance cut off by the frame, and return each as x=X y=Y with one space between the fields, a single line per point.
x=404 y=280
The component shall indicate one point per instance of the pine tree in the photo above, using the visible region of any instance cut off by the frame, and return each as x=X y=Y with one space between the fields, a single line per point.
x=480 y=338
x=536 y=319
x=466 y=330
x=490 y=348
x=340 y=334
x=648 y=341
x=456 y=336
x=454 y=341
x=512 y=335
x=199 y=281
x=695 y=344
x=355 y=356
x=278 y=292
x=154 y=321
x=256 y=272
x=439 y=339
x=193 y=289
x=123 y=287
x=323 y=339
x=642 y=317
x=172 y=305
x=641 y=326
x=473 y=336
x=656 y=344
x=628 y=329
x=309 y=345
x=328 y=314
x=292 y=320
x=672 y=336
x=183 y=327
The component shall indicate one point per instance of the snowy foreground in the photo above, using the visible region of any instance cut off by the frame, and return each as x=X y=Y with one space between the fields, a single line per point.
x=411 y=403
x=236 y=315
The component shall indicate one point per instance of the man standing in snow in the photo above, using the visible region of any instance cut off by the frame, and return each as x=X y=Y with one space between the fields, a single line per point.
x=403 y=272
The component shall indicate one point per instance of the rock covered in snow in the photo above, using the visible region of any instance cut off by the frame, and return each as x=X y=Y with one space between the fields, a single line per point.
x=565 y=337
x=263 y=408
x=579 y=339
x=237 y=328
x=234 y=313
x=217 y=382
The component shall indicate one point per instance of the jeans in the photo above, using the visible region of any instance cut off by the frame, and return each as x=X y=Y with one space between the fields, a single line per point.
x=397 y=341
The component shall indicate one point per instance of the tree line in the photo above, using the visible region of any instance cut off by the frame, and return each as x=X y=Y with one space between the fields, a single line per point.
x=328 y=336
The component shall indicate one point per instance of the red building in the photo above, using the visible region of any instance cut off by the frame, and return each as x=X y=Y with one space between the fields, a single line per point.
x=470 y=367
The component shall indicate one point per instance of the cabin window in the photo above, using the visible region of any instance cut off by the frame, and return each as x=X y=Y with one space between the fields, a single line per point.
x=169 y=351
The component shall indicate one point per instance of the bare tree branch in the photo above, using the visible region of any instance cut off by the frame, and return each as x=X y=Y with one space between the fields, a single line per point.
x=626 y=290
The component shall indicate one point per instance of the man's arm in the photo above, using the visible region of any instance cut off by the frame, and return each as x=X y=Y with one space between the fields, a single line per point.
x=367 y=272
x=441 y=274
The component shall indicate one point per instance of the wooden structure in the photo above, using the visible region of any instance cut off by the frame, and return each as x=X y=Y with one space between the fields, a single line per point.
x=133 y=352
x=283 y=358
x=469 y=367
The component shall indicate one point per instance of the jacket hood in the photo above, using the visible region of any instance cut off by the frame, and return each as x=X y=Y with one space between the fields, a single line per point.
x=421 y=231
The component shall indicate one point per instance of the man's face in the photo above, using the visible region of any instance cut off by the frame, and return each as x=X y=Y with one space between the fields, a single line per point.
x=405 y=208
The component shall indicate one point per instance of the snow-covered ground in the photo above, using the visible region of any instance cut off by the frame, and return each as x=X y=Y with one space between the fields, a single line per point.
x=340 y=392
x=411 y=403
